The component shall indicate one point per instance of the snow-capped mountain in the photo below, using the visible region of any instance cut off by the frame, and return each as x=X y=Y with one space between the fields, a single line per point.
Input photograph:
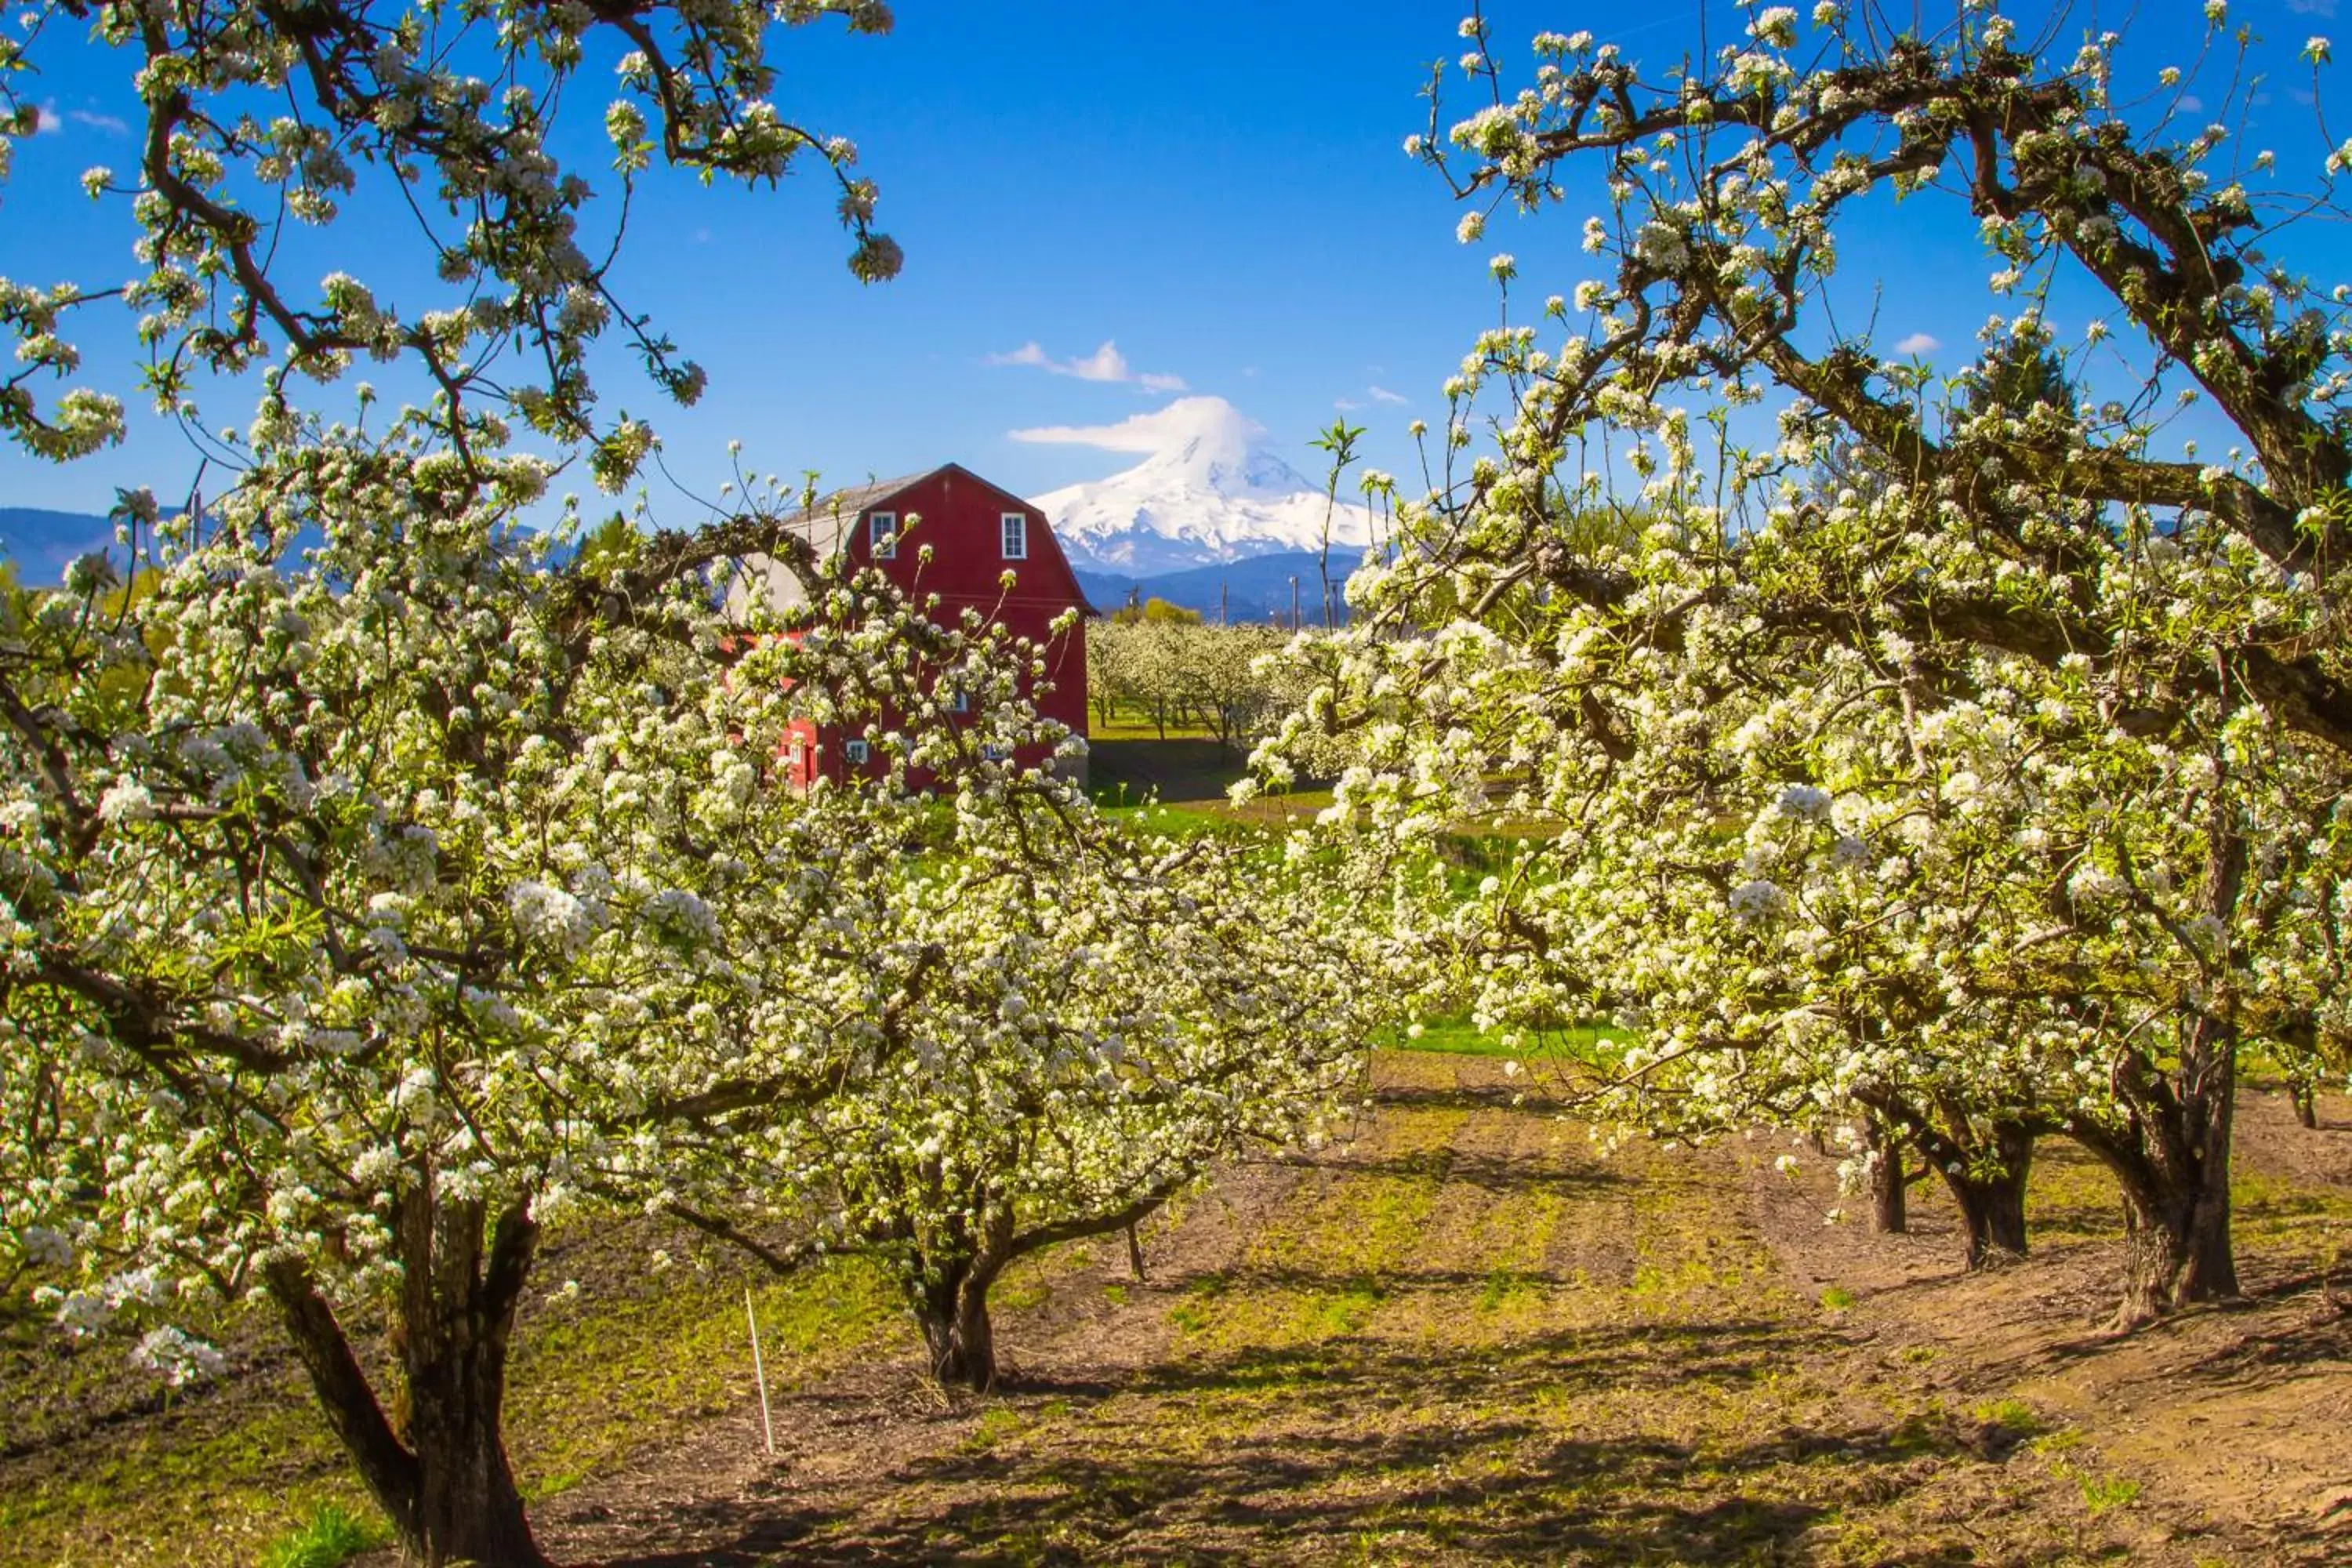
x=1211 y=490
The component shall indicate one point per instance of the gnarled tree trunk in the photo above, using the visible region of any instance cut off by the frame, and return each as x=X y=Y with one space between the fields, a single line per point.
x=437 y=1464
x=2172 y=1160
x=1983 y=1161
x=1991 y=1194
x=953 y=1308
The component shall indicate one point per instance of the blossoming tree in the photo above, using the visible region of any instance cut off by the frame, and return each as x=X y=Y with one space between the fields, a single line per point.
x=258 y=124
x=379 y=886
x=2161 y=632
x=1191 y=671
x=1070 y=1025
x=365 y=913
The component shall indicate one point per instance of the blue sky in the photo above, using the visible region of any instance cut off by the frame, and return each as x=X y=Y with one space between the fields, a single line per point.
x=1216 y=189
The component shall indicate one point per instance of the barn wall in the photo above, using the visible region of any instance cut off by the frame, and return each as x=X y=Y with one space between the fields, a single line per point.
x=960 y=519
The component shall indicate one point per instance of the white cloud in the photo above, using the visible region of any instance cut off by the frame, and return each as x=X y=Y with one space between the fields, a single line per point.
x=2312 y=7
x=2191 y=104
x=1382 y=394
x=1346 y=404
x=1104 y=365
x=1027 y=354
x=48 y=121
x=1919 y=343
x=1162 y=430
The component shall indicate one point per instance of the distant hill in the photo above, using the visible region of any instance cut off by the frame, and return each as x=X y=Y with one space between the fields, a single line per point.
x=44 y=543
x=1258 y=588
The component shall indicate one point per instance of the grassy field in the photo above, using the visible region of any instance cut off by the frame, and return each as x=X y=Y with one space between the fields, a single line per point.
x=1461 y=1038
x=1460 y=1336
x=93 y=1469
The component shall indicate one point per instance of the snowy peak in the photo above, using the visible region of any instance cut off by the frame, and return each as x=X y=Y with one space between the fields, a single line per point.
x=1209 y=490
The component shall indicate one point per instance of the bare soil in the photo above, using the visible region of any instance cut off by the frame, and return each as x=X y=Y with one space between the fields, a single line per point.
x=1468 y=1336
x=1464 y=1335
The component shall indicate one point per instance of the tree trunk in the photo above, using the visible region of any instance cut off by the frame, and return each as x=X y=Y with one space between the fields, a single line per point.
x=2175 y=1175
x=953 y=1308
x=962 y=1342
x=2177 y=1250
x=437 y=1464
x=1882 y=1155
x=2305 y=1096
x=1993 y=1210
x=1984 y=1165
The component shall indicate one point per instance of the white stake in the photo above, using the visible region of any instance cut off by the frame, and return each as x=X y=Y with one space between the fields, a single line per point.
x=760 y=1372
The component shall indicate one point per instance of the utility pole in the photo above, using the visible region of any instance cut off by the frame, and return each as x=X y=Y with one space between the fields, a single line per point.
x=1221 y=589
x=1293 y=603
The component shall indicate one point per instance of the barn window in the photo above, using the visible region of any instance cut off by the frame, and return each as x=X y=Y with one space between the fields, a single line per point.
x=856 y=751
x=882 y=530
x=1016 y=536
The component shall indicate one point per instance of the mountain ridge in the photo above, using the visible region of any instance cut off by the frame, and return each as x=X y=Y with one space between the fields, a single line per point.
x=1254 y=588
x=43 y=541
x=1209 y=491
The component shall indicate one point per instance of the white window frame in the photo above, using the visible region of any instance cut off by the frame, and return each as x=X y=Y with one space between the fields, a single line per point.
x=882 y=534
x=1013 y=534
x=959 y=701
x=856 y=753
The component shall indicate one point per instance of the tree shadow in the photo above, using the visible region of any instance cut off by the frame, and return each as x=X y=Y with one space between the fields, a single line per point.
x=1507 y=1095
x=1499 y=1173
x=1378 y=1442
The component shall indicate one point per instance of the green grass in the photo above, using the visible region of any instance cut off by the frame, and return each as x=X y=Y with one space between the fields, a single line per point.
x=331 y=1535
x=650 y=1367
x=1461 y=1038
x=2101 y=1494
x=996 y=1424
x=1837 y=1298
x=1506 y=1287
x=1192 y=819
x=593 y=1382
x=2012 y=1416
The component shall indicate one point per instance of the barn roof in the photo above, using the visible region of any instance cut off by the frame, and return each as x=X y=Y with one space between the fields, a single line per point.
x=831 y=523
x=827 y=524
x=829 y=520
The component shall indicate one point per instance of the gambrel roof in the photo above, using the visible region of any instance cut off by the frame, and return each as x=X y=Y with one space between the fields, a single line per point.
x=830 y=523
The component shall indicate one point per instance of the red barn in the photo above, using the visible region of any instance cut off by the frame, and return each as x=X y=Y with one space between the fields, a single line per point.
x=973 y=534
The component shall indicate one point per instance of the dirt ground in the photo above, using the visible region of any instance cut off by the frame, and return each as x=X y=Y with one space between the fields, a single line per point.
x=1465 y=1336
